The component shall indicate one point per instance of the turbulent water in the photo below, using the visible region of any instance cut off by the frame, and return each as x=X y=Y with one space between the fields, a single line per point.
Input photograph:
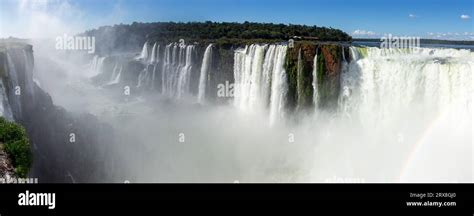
x=315 y=81
x=425 y=94
x=260 y=79
x=177 y=66
x=402 y=115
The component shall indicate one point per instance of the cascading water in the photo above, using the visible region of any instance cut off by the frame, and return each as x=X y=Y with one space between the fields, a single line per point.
x=116 y=73
x=146 y=78
x=154 y=58
x=261 y=79
x=382 y=83
x=248 y=72
x=268 y=66
x=5 y=109
x=184 y=76
x=177 y=68
x=315 y=81
x=96 y=65
x=204 y=76
x=279 y=86
x=144 y=54
x=424 y=94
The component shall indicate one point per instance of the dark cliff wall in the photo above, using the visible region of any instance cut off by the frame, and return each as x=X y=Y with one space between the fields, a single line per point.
x=329 y=72
x=299 y=67
x=49 y=127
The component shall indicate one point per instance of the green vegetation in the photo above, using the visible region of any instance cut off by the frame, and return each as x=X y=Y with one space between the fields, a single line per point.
x=173 y=31
x=17 y=146
x=328 y=75
x=226 y=34
x=299 y=68
x=291 y=69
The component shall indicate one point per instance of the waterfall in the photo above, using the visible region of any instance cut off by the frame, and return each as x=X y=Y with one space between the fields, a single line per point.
x=343 y=55
x=279 y=86
x=177 y=68
x=379 y=83
x=12 y=73
x=184 y=76
x=154 y=53
x=166 y=68
x=261 y=79
x=146 y=78
x=116 y=73
x=354 y=54
x=205 y=69
x=248 y=67
x=268 y=66
x=96 y=65
x=315 y=81
x=144 y=54
x=5 y=109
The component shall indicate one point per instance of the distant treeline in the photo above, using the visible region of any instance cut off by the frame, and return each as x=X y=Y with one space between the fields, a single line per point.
x=423 y=41
x=137 y=33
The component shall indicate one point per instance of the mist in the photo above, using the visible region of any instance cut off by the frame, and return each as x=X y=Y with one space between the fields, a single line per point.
x=406 y=119
x=158 y=139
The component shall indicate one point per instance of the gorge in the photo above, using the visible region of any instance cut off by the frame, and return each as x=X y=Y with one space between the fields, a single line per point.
x=312 y=111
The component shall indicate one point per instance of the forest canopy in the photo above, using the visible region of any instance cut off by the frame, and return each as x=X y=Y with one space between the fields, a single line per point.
x=125 y=35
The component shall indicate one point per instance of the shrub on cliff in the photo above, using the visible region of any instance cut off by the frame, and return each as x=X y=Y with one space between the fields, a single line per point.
x=17 y=146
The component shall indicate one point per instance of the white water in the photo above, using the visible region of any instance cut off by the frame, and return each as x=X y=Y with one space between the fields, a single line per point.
x=384 y=83
x=116 y=73
x=248 y=65
x=5 y=109
x=424 y=94
x=315 y=81
x=261 y=79
x=279 y=86
x=155 y=55
x=402 y=116
x=146 y=78
x=184 y=76
x=144 y=54
x=204 y=76
x=177 y=68
x=96 y=66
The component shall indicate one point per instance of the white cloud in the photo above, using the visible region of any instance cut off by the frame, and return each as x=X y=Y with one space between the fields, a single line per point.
x=412 y=16
x=465 y=17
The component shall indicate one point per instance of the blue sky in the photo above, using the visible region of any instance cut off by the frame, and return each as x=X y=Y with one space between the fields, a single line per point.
x=448 y=19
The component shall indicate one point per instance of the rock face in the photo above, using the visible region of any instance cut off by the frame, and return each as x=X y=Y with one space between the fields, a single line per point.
x=302 y=83
x=49 y=127
x=299 y=67
x=6 y=167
